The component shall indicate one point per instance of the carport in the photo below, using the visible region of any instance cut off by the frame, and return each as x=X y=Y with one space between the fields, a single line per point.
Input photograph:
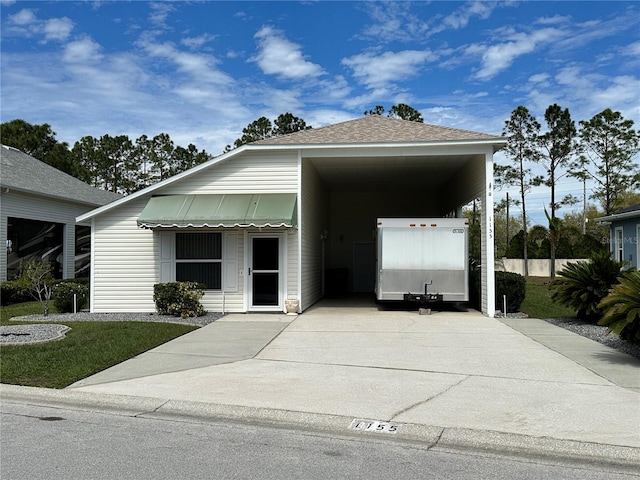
x=355 y=172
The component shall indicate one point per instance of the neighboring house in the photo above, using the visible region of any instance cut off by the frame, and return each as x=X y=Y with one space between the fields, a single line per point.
x=624 y=227
x=38 y=209
x=281 y=218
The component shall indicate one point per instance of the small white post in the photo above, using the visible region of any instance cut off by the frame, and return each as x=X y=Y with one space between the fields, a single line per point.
x=75 y=303
x=504 y=306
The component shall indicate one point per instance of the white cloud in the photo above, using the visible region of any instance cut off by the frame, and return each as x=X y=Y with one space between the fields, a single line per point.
x=380 y=71
x=394 y=21
x=58 y=28
x=82 y=51
x=159 y=12
x=460 y=18
x=632 y=49
x=26 y=23
x=499 y=57
x=199 y=41
x=278 y=56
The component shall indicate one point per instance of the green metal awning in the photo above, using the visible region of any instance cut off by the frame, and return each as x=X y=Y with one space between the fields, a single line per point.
x=232 y=210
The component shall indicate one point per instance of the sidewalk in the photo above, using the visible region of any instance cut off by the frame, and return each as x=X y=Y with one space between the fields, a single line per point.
x=452 y=379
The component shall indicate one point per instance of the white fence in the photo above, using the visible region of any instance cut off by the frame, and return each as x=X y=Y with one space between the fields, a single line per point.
x=537 y=267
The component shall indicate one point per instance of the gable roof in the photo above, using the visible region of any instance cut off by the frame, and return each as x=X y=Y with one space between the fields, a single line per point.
x=24 y=173
x=368 y=131
x=377 y=129
x=629 y=212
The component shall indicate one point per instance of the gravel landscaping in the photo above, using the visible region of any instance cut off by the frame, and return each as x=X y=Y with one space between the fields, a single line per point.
x=53 y=330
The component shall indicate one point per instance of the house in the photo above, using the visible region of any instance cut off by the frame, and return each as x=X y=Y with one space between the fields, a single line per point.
x=38 y=209
x=283 y=218
x=624 y=227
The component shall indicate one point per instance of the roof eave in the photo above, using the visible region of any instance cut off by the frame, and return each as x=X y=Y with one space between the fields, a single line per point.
x=10 y=188
x=618 y=216
x=496 y=142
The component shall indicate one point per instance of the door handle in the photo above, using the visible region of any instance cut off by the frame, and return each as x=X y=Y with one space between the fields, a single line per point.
x=249 y=271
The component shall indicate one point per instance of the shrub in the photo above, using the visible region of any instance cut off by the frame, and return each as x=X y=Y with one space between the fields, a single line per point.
x=582 y=285
x=14 y=291
x=622 y=307
x=180 y=299
x=63 y=295
x=514 y=286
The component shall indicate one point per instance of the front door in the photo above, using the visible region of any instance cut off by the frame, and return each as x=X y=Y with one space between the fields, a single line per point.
x=264 y=273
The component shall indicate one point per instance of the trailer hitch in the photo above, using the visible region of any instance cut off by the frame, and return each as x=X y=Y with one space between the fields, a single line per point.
x=425 y=297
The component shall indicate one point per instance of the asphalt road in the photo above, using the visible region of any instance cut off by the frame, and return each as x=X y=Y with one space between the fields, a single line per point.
x=58 y=443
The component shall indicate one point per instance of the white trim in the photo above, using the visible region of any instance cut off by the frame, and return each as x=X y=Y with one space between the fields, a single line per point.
x=488 y=262
x=299 y=232
x=92 y=277
x=618 y=246
x=282 y=272
x=637 y=246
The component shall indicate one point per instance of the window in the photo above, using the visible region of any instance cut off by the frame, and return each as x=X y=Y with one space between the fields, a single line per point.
x=33 y=239
x=618 y=244
x=199 y=259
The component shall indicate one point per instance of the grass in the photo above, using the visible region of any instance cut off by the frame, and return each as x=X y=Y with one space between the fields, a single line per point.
x=538 y=303
x=88 y=348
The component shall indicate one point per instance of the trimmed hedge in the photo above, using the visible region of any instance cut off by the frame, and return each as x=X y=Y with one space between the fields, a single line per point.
x=180 y=299
x=513 y=285
x=63 y=293
x=14 y=291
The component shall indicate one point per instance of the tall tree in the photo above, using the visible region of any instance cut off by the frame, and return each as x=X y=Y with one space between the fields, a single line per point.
x=609 y=144
x=557 y=146
x=288 y=123
x=40 y=142
x=522 y=131
x=262 y=128
x=401 y=110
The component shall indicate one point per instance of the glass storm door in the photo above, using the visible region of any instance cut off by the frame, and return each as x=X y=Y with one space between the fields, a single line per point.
x=265 y=271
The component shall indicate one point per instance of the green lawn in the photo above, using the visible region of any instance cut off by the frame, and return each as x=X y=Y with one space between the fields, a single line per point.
x=88 y=348
x=538 y=303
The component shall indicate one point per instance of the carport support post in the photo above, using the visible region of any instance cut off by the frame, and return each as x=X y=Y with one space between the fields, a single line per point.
x=488 y=288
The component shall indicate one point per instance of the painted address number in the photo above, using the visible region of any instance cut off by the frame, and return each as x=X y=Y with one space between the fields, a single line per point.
x=374 y=426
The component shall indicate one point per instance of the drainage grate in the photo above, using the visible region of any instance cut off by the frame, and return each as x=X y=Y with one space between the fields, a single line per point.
x=374 y=426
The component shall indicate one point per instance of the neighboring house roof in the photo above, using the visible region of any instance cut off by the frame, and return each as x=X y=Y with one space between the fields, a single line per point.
x=24 y=173
x=629 y=212
x=376 y=129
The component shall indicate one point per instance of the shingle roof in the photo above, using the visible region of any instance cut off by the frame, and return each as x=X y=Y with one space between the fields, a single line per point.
x=632 y=208
x=376 y=129
x=23 y=172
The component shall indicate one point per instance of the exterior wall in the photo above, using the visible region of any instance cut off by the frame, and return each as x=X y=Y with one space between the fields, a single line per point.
x=314 y=221
x=536 y=267
x=22 y=205
x=630 y=244
x=354 y=215
x=126 y=259
x=268 y=172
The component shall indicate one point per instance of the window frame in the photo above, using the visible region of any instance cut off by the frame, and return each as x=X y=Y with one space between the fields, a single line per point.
x=201 y=260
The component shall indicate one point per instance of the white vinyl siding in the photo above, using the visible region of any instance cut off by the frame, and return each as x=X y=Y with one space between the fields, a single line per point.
x=252 y=173
x=32 y=207
x=315 y=220
x=125 y=261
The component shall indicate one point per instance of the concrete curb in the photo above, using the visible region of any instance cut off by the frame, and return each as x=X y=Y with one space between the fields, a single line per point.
x=431 y=437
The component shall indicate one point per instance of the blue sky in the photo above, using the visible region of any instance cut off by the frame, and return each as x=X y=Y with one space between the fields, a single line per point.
x=201 y=71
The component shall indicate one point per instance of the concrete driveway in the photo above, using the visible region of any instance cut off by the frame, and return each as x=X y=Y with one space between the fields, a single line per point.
x=449 y=370
x=448 y=380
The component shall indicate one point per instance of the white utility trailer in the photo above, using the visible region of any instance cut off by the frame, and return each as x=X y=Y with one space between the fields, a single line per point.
x=422 y=260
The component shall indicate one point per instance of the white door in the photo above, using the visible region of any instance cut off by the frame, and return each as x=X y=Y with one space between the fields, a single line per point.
x=265 y=272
